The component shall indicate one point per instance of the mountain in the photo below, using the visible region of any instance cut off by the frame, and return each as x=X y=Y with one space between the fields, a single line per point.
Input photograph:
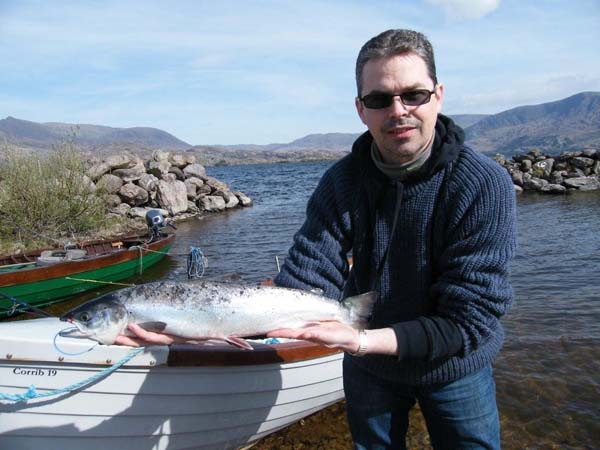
x=466 y=120
x=42 y=136
x=568 y=124
x=572 y=123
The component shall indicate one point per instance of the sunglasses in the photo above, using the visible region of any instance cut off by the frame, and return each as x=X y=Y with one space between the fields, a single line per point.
x=409 y=98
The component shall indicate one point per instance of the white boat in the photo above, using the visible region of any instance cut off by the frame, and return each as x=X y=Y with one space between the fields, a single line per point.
x=178 y=397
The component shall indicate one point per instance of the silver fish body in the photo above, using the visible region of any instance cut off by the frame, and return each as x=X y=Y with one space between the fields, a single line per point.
x=201 y=310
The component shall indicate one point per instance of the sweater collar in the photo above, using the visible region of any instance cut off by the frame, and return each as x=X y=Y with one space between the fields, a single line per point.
x=447 y=143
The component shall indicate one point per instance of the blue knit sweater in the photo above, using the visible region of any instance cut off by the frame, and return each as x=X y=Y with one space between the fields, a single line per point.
x=448 y=258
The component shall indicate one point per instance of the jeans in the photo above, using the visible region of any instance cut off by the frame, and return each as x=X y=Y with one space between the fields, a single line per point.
x=459 y=415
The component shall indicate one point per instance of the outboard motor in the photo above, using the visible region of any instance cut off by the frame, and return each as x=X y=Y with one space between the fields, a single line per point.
x=156 y=222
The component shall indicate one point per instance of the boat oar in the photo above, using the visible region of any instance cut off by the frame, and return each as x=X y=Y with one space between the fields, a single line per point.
x=31 y=309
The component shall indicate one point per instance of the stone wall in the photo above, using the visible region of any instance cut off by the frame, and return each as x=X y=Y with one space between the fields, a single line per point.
x=173 y=183
x=570 y=171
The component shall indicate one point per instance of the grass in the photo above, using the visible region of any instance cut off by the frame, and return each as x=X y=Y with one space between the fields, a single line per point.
x=46 y=199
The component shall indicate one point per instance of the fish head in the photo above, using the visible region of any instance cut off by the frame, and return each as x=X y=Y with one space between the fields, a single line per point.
x=102 y=319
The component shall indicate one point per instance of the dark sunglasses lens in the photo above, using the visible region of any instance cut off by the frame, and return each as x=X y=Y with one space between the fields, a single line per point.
x=414 y=98
x=378 y=101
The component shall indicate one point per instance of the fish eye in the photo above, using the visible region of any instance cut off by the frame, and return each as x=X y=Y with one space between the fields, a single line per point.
x=85 y=317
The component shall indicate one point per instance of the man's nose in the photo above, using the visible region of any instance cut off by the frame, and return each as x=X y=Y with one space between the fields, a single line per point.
x=397 y=108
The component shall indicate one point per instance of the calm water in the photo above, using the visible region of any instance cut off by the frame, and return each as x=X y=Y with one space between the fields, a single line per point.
x=548 y=375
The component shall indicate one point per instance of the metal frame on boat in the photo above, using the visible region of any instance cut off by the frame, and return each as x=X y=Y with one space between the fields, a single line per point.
x=178 y=397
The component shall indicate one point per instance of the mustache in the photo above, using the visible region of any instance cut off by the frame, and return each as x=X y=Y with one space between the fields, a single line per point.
x=408 y=122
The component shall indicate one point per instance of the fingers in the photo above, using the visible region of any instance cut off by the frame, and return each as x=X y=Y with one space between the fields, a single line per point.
x=143 y=337
x=126 y=340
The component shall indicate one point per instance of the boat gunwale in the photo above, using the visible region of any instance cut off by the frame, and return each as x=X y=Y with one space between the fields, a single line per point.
x=190 y=355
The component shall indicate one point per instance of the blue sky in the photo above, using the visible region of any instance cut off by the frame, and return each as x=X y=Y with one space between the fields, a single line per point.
x=244 y=71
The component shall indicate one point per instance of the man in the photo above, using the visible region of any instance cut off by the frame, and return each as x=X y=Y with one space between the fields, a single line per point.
x=431 y=227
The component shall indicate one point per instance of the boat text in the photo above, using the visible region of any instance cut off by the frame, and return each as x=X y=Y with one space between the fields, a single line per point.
x=35 y=372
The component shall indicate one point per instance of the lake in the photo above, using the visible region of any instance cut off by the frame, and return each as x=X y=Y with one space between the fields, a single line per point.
x=548 y=374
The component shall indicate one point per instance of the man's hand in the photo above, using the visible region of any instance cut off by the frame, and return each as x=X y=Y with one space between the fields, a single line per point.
x=382 y=341
x=331 y=334
x=144 y=338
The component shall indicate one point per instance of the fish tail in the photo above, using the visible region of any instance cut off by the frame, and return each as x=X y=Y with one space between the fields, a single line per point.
x=360 y=308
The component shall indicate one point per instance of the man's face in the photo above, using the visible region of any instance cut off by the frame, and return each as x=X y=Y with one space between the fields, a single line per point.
x=400 y=132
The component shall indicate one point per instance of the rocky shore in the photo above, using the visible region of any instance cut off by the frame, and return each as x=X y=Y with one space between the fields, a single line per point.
x=570 y=171
x=173 y=183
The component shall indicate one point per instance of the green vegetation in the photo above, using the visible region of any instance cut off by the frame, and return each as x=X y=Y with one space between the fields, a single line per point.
x=46 y=199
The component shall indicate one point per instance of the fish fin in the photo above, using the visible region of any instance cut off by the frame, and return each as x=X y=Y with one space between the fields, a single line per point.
x=238 y=342
x=360 y=308
x=153 y=326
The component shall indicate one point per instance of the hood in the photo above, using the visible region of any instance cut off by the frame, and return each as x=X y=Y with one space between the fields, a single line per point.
x=449 y=139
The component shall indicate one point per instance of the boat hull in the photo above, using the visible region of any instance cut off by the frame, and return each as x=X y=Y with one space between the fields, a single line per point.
x=40 y=286
x=185 y=397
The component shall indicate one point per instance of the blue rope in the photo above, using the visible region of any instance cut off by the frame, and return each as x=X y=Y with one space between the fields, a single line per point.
x=62 y=333
x=195 y=266
x=32 y=393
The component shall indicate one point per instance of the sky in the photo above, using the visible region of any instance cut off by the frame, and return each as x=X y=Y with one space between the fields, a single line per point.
x=269 y=71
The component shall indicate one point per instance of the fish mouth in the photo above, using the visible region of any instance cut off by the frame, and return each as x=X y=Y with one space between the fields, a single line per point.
x=74 y=332
x=78 y=329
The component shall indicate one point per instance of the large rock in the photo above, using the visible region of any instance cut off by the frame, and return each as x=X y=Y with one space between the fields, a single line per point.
x=211 y=203
x=177 y=172
x=553 y=189
x=121 y=209
x=159 y=155
x=243 y=198
x=148 y=182
x=542 y=168
x=231 y=201
x=119 y=161
x=172 y=196
x=216 y=184
x=110 y=183
x=133 y=195
x=132 y=173
x=97 y=170
x=582 y=162
x=194 y=170
x=534 y=184
x=582 y=183
x=178 y=161
x=113 y=200
x=159 y=168
x=517 y=176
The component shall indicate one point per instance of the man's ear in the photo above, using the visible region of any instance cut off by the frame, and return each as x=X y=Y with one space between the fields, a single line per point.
x=439 y=95
x=360 y=108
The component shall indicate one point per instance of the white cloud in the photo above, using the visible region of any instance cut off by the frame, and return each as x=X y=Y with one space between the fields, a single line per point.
x=466 y=9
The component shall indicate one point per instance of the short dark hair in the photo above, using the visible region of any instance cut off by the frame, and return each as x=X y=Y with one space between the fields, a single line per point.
x=395 y=42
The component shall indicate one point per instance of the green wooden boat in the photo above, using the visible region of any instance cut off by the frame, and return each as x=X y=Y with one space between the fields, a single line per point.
x=40 y=278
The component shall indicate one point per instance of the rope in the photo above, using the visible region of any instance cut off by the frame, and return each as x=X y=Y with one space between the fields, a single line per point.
x=196 y=263
x=32 y=393
x=16 y=304
x=63 y=333
x=141 y=258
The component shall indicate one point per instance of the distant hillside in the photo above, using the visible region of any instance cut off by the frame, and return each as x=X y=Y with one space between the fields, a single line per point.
x=466 y=120
x=42 y=136
x=568 y=124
